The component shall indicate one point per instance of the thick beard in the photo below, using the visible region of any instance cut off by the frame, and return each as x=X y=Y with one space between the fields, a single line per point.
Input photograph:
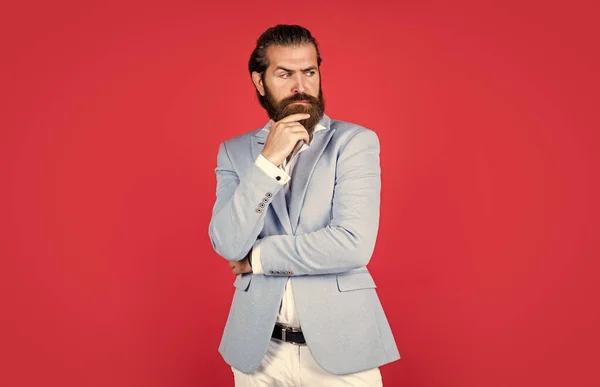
x=279 y=110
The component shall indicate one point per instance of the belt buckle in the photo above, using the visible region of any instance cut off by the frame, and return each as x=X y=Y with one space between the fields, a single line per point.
x=284 y=331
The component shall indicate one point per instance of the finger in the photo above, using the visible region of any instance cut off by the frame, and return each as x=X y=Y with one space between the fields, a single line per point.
x=297 y=127
x=295 y=117
x=290 y=125
x=300 y=132
x=294 y=127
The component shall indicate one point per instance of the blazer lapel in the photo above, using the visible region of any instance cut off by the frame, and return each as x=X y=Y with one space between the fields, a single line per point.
x=278 y=203
x=303 y=170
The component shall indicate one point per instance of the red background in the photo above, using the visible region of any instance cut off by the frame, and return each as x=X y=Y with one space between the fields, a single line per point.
x=112 y=114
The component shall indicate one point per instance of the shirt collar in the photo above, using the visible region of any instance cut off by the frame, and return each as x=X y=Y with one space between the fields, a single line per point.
x=318 y=127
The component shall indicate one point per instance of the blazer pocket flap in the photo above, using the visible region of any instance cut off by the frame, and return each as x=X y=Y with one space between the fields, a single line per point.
x=355 y=281
x=242 y=281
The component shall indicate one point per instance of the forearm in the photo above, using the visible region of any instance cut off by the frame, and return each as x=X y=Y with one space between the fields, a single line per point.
x=332 y=249
x=241 y=205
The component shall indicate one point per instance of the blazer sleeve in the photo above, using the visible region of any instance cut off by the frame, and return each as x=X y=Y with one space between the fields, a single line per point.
x=349 y=240
x=239 y=211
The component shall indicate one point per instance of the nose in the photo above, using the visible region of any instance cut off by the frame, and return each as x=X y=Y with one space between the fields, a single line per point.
x=298 y=85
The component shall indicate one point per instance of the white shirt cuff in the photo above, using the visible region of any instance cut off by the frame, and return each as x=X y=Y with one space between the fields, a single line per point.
x=272 y=170
x=256 y=265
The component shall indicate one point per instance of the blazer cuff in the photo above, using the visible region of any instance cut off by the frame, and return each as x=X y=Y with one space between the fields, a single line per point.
x=256 y=264
x=272 y=170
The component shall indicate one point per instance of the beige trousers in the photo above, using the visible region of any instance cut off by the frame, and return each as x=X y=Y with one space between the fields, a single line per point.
x=291 y=365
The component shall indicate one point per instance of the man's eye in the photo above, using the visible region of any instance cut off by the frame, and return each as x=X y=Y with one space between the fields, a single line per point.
x=285 y=75
x=311 y=73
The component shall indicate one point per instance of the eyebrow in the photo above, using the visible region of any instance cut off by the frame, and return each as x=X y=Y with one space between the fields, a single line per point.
x=291 y=71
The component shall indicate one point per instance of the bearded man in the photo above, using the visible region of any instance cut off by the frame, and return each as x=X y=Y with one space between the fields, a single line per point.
x=297 y=215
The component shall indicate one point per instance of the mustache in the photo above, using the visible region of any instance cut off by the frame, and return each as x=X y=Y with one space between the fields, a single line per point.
x=300 y=97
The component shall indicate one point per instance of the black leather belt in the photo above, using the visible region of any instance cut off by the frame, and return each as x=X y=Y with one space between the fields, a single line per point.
x=288 y=334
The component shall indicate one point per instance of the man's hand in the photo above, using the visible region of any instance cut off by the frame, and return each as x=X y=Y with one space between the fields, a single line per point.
x=241 y=267
x=283 y=137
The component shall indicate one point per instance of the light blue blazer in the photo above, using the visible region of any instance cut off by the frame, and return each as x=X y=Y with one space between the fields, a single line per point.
x=323 y=244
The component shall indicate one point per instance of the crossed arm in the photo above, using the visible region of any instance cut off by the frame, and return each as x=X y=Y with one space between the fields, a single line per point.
x=346 y=243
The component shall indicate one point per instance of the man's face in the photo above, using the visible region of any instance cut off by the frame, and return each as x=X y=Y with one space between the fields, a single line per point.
x=292 y=84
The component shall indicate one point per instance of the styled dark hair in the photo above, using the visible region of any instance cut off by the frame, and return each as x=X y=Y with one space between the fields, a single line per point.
x=279 y=35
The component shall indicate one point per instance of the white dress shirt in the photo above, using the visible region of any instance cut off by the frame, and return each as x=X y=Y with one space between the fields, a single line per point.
x=287 y=312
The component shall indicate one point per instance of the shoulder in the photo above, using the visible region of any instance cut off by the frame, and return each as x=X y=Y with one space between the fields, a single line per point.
x=346 y=132
x=240 y=140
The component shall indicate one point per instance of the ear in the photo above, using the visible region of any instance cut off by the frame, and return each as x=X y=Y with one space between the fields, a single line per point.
x=258 y=83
